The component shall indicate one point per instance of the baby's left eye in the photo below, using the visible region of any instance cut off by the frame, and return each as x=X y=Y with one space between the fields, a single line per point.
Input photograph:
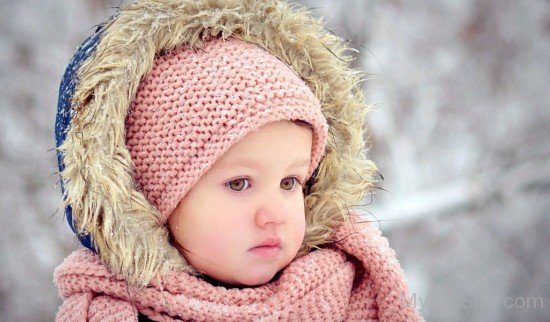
x=289 y=183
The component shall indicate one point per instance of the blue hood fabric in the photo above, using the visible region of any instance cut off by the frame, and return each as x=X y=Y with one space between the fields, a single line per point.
x=65 y=114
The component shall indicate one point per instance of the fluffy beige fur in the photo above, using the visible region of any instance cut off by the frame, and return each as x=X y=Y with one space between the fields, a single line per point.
x=98 y=167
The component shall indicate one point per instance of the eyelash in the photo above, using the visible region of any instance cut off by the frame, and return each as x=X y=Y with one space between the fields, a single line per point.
x=296 y=180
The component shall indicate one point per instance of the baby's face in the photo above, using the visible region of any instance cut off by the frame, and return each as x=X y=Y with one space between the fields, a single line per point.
x=243 y=221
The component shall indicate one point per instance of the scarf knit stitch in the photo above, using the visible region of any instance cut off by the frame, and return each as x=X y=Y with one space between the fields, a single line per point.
x=357 y=279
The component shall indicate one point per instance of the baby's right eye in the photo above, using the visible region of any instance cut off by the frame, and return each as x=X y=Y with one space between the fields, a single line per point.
x=238 y=184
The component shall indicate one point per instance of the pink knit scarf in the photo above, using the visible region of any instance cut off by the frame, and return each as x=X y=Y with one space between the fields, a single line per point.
x=358 y=278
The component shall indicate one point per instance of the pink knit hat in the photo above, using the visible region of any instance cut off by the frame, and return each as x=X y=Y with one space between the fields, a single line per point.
x=195 y=104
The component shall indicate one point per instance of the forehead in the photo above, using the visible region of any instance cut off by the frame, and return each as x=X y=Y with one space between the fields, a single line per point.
x=278 y=141
x=255 y=163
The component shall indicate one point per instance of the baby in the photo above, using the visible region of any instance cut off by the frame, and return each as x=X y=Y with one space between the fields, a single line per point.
x=209 y=154
x=244 y=220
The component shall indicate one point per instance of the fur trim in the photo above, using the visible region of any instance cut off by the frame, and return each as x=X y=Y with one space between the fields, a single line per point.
x=98 y=168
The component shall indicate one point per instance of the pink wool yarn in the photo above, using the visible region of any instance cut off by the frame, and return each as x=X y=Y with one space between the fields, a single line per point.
x=195 y=104
x=356 y=279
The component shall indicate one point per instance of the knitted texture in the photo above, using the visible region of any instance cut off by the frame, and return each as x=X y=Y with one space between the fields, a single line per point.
x=195 y=104
x=358 y=278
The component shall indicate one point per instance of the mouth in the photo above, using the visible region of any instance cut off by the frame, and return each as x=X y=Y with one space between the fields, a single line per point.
x=267 y=249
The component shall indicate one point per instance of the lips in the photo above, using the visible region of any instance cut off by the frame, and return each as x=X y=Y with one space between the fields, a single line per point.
x=268 y=248
x=270 y=242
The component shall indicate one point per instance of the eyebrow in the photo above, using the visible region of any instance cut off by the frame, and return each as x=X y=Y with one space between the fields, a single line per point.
x=252 y=164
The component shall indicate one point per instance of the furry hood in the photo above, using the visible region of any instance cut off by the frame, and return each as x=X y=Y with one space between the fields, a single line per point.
x=102 y=203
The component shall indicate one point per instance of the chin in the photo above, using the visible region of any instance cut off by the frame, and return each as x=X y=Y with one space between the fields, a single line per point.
x=255 y=280
x=249 y=279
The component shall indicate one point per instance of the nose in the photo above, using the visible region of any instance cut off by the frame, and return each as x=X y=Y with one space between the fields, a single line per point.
x=271 y=212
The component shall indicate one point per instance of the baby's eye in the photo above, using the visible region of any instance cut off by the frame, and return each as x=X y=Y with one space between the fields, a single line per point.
x=238 y=184
x=289 y=183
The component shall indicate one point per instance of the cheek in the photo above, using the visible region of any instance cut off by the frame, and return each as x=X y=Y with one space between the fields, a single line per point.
x=301 y=229
x=207 y=242
x=204 y=234
x=212 y=233
x=298 y=224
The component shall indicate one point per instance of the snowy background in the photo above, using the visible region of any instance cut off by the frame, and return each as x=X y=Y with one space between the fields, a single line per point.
x=460 y=132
